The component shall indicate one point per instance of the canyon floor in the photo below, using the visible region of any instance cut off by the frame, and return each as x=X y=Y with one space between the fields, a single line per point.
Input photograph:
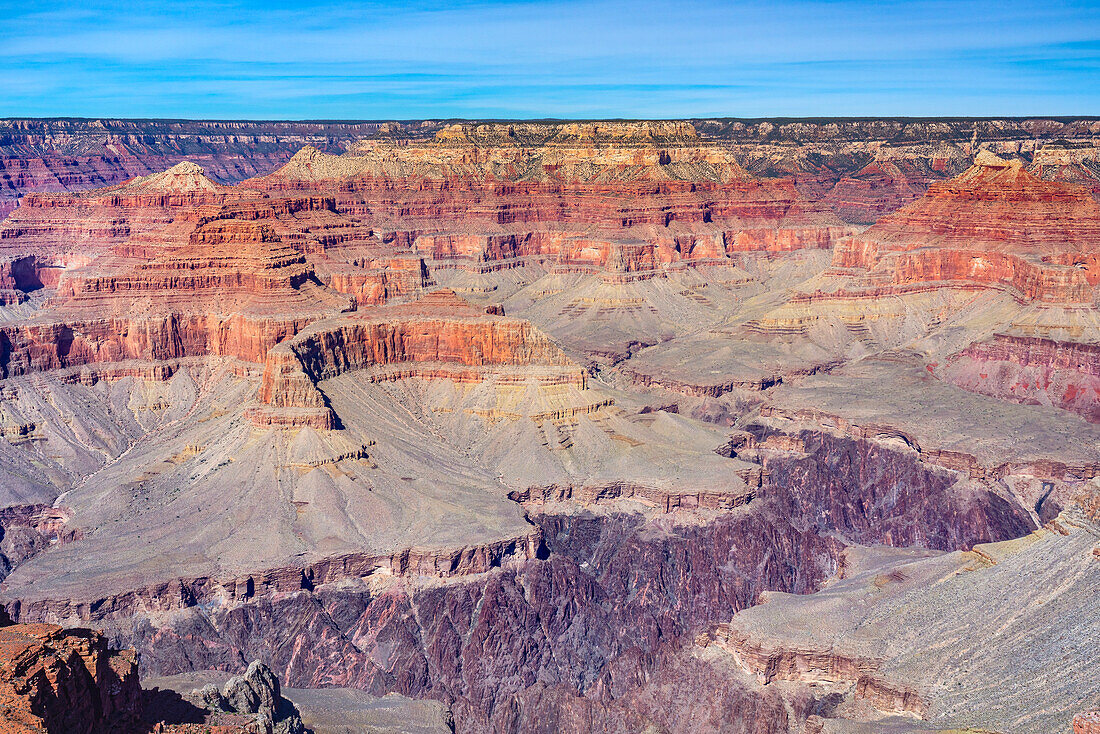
x=712 y=425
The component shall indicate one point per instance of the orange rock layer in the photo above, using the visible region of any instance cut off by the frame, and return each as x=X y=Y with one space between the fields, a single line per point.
x=1087 y=723
x=57 y=680
x=440 y=336
x=577 y=198
x=994 y=224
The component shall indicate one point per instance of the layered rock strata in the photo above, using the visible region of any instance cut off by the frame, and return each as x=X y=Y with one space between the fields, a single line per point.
x=71 y=155
x=440 y=336
x=234 y=290
x=57 y=680
x=824 y=158
x=68 y=227
x=657 y=194
x=993 y=224
x=1032 y=370
x=265 y=442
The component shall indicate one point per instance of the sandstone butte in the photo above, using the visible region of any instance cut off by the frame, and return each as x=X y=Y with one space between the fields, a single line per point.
x=1007 y=258
x=995 y=223
x=551 y=423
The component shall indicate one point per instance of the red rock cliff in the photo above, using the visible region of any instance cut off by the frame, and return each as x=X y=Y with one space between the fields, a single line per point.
x=58 y=680
x=994 y=224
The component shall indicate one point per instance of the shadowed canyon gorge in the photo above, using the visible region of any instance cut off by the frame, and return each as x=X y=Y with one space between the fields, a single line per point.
x=671 y=426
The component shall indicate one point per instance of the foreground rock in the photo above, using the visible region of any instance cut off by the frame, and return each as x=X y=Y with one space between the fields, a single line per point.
x=256 y=694
x=55 y=680
x=58 y=680
x=649 y=399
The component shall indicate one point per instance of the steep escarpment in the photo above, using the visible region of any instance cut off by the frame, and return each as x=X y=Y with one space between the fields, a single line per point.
x=568 y=223
x=844 y=640
x=440 y=336
x=867 y=168
x=75 y=154
x=235 y=290
x=633 y=182
x=54 y=680
x=902 y=501
x=26 y=530
x=820 y=156
x=993 y=224
x=520 y=643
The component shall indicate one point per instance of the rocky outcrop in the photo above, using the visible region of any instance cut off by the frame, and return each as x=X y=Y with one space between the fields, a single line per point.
x=534 y=498
x=255 y=693
x=184 y=593
x=812 y=471
x=994 y=224
x=879 y=188
x=58 y=680
x=766 y=437
x=69 y=681
x=440 y=336
x=616 y=260
x=233 y=290
x=1031 y=370
x=1087 y=723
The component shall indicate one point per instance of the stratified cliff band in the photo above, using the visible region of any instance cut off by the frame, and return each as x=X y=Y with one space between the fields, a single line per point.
x=739 y=426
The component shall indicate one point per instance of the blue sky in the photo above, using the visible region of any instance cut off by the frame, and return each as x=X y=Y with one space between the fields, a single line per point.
x=264 y=59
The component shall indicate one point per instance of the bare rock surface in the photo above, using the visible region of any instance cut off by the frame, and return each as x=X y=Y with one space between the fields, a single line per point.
x=769 y=426
x=897 y=628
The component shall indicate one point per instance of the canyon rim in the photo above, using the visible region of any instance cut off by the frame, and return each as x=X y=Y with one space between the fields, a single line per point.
x=466 y=367
x=602 y=426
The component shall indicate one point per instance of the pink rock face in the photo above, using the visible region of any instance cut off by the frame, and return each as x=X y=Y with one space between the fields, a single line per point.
x=994 y=224
x=57 y=223
x=1087 y=723
x=1033 y=371
x=213 y=280
x=635 y=208
x=235 y=289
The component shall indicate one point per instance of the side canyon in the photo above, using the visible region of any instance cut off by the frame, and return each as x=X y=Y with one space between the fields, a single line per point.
x=671 y=426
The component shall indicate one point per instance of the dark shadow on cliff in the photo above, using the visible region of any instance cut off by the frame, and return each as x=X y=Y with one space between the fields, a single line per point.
x=167 y=706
